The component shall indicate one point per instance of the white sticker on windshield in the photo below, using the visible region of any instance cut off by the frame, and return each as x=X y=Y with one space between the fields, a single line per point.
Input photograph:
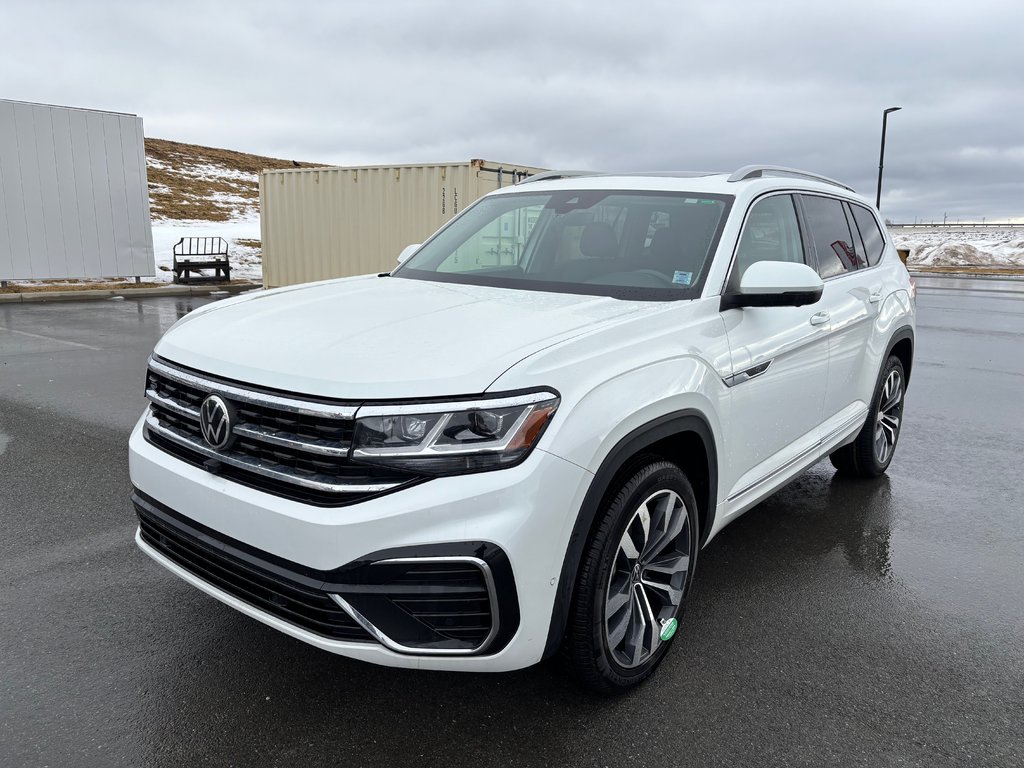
x=682 y=278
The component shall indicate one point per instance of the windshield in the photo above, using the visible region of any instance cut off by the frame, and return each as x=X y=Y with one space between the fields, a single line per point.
x=625 y=244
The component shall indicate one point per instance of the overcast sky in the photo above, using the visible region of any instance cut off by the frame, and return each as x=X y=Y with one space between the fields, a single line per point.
x=605 y=85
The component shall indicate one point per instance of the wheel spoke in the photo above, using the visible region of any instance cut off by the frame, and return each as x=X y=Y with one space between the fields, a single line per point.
x=881 y=444
x=643 y=521
x=892 y=393
x=673 y=568
x=891 y=402
x=670 y=565
x=628 y=548
x=890 y=426
x=672 y=594
x=617 y=601
x=619 y=622
x=652 y=629
x=638 y=622
x=671 y=523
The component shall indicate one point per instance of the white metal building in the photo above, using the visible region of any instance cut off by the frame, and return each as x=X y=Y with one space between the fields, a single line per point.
x=74 y=200
x=319 y=223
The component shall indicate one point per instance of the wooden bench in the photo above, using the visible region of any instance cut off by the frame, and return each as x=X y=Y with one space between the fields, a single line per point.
x=195 y=254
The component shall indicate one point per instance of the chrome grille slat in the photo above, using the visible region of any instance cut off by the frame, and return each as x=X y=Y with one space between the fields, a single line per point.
x=259 y=467
x=323 y=448
x=303 y=407
x=283 y=445
x=171 y=405
x=255 y=431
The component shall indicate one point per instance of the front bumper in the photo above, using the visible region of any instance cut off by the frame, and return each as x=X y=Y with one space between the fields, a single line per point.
x=518 y=520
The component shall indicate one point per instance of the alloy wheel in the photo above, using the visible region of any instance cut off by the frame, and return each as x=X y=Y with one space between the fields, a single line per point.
x=648 y=579
x=890 y=414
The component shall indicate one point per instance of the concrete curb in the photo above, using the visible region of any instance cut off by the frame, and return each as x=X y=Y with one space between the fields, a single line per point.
x=968 y=275
x=206 y=290
x=128 y=293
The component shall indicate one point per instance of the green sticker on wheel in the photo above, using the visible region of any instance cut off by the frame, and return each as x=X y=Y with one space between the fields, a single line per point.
x=668 y=628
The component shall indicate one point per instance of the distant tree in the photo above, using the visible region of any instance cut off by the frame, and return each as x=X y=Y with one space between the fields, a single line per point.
x=888 y=222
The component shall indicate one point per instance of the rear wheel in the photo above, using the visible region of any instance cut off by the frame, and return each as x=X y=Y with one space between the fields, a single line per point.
x=871 y=452
x=634 y=578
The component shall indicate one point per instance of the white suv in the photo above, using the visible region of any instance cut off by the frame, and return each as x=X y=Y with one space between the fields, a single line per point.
x=518 y=441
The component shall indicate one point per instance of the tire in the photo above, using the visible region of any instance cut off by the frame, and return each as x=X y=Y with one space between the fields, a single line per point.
x=624 y=605
x=871 y=452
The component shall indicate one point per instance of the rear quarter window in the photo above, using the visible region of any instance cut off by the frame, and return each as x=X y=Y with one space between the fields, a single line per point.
x=874 y=242
x=829 y=231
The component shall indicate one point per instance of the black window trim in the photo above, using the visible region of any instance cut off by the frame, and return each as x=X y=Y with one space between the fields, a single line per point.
x=862 y=252
x=882 y=232
x=802 y=214
x=810 y=257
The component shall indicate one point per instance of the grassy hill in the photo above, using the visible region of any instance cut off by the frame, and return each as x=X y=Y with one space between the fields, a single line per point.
x=194 y=183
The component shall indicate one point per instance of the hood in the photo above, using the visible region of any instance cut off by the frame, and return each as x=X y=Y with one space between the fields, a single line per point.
x=373 y=338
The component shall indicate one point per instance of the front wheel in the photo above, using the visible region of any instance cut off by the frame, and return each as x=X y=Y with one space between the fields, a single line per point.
x=633 y=580
x=871 y=452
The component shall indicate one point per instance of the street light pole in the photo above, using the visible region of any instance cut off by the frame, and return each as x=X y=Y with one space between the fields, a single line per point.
x=881 y=154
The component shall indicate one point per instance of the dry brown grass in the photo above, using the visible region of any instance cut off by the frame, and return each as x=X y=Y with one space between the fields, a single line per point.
x=97 y=285
x=76 y=286
x=249 y=243
x=175 y=193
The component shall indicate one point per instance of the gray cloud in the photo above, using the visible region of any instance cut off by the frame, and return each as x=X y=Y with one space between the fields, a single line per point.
x=640 y=85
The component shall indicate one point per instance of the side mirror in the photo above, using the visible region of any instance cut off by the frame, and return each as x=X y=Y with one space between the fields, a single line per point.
x=776 y=284
x=408 y=251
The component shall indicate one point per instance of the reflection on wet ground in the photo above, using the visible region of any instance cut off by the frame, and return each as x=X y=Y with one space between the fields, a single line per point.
x=840 y=622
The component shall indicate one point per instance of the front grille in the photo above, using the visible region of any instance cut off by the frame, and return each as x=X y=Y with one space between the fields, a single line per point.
x=282 y=445
x=289 y=600
x=454 y=601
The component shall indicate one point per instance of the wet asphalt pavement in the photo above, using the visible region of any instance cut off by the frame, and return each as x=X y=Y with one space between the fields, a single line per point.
x=839 y=623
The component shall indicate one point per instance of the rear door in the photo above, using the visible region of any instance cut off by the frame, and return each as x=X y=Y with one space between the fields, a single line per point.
x=779 y=361
x=852 y=297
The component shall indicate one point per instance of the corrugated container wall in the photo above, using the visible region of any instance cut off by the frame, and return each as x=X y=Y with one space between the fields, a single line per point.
x=319 y=223
x=74 y=201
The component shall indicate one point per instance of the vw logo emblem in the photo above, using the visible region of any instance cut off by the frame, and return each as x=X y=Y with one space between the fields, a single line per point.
x=215 y=421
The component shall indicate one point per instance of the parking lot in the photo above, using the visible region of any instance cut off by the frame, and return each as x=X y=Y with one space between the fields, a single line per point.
x=838 y=623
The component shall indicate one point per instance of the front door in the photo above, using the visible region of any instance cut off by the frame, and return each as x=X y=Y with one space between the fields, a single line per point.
x=779 y=363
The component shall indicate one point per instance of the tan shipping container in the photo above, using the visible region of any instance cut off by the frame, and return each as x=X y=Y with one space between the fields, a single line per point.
x=319 y=223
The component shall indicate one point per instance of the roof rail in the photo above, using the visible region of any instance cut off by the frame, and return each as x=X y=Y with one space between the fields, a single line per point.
x=552 y=175
x=760 y=171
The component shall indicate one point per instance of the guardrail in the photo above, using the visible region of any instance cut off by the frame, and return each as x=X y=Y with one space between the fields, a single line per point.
x=961 y=225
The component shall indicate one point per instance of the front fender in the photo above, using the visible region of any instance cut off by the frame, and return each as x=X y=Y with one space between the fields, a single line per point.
x=598 y=420
x=613 y=422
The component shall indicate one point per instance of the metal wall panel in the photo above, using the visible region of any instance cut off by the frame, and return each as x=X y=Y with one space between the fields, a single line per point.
x=320 y=223
x=74 y=199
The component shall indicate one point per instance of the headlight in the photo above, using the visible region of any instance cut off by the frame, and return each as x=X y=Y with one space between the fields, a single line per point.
x=453 y=437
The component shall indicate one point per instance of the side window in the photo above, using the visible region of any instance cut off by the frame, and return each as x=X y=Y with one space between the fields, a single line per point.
x=770 y=233
x=874 y=243
x=830 y=233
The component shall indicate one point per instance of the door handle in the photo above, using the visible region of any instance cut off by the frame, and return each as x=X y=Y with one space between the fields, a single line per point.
x=875 y=296
x=820 y=318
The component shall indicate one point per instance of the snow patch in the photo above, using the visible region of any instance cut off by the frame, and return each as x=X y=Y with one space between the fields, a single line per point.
x=208 y=171
x=246 y=261
x=994 y=248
